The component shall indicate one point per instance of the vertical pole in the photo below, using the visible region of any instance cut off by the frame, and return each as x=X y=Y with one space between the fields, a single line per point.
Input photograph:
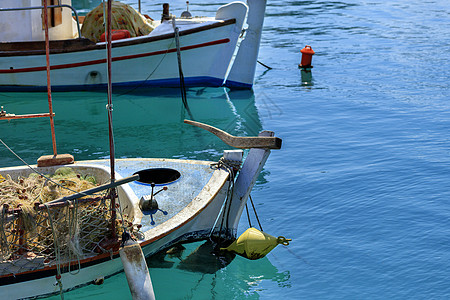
x=110 y=105
x=49 y=89
x=110 y=109
x=165 y=14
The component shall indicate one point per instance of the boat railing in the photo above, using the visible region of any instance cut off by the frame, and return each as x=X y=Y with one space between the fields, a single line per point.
x=49 y=6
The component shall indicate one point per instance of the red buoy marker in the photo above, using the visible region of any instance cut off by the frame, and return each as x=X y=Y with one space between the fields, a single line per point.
x=307 y=54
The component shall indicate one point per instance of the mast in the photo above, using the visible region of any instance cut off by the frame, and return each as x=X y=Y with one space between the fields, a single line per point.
x=49 y=88
x=110 y=105
x=55 y=159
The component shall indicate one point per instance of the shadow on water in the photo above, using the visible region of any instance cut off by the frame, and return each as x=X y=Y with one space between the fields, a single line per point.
x=202 y=259
x=192 y=272
x=202 y=270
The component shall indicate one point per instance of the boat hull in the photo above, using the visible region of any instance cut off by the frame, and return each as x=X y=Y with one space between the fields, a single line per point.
x=189 y=221
x=206 y=52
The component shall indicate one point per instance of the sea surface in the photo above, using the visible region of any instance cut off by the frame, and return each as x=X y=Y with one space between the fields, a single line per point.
x=361 y=184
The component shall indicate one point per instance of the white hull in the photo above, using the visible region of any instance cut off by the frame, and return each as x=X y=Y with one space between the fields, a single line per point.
x=187 y=220
x=207 y=45
x=205 y=59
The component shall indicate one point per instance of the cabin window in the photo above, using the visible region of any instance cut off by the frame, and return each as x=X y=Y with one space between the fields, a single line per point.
x=54 y=14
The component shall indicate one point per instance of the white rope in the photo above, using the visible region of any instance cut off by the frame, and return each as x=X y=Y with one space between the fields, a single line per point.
x=73 y=235
x=57 y=253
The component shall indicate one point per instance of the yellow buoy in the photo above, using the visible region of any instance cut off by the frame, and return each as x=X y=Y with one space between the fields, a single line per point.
x=2 y=178
x=255 y=244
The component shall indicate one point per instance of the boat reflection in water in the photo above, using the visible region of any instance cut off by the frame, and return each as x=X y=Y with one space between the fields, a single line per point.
x=80 y=128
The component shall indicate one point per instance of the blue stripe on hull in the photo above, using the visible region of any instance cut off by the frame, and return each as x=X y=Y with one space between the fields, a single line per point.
x=237 y=85
x=201 y=81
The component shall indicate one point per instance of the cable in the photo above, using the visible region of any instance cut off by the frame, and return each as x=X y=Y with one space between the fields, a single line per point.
x=180 y=69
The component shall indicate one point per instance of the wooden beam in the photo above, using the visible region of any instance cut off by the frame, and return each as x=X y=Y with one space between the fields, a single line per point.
x=240 y=142
x=55 y=160
x=13 y=116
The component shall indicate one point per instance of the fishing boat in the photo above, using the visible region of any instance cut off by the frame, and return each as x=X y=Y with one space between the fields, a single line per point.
x=215 y=51
x=65 y=224
x=198 y=200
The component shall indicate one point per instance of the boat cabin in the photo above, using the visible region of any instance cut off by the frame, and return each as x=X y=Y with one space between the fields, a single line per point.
x=27 y=24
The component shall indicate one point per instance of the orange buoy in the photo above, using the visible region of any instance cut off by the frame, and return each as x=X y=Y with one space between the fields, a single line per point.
x=307 y=54
x=117 y=34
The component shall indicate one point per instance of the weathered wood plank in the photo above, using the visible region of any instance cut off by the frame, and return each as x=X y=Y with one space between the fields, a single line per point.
x=240 y=142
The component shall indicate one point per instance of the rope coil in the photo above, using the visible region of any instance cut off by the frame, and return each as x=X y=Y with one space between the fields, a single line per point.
x=227 y=164
x=232 y=167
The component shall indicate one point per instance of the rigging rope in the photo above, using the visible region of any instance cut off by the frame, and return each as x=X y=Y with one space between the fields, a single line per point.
x=264 y=65
x=150 y=75
x=256 y=214
x=248 y=216
x=180 y=69
x=229 y=166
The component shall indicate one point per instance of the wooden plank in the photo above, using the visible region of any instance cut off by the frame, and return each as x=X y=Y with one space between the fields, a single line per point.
x=55 y=160
x=240 y=142
x=54 y=14
x=13 y=116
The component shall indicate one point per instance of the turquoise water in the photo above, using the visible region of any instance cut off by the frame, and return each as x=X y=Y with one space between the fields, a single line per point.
x=362 y=183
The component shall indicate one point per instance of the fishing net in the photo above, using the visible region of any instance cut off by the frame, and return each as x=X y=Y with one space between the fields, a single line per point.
x=36 y=232
x=123 y=16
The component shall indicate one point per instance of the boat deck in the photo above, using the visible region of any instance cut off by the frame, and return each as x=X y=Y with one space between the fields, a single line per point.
x=194 y=176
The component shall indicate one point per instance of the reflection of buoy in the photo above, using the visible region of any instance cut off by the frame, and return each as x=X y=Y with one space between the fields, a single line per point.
x=307 y=54
x=306 y=75
x=255 y=244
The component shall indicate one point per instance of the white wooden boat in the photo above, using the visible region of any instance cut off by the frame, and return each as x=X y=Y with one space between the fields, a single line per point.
x=202 y=201
x=212 y=50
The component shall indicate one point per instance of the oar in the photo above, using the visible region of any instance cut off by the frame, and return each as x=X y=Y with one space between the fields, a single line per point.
x=240 y=142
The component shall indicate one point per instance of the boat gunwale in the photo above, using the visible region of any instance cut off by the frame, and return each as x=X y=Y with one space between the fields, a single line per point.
x=11 y=49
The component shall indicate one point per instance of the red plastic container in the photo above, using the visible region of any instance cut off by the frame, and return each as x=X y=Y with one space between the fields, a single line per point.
x=307 y=54
x=117 y=34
